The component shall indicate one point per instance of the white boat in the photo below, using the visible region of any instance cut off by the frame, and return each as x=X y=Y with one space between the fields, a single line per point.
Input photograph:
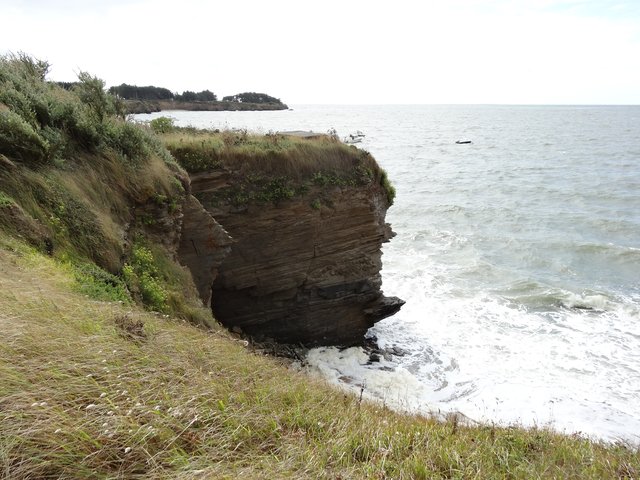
x=354 y=137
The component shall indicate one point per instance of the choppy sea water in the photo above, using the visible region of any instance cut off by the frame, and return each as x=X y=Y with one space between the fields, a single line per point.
x=518 y=255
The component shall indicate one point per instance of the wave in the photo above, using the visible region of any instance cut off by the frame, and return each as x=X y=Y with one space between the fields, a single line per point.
x=537 y=297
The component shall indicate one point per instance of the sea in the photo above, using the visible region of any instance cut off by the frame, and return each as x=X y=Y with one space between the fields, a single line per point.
x=518 y=256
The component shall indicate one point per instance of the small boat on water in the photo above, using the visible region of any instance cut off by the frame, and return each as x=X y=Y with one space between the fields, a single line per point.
x=354 y=137
x=463 y=142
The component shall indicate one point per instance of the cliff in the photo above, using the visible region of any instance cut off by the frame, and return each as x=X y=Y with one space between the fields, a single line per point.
x=280 y=236
x=305 y=263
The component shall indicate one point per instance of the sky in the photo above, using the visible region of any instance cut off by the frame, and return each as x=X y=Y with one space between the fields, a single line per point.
x=343 y=51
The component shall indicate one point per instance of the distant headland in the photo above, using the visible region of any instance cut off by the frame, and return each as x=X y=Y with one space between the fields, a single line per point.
x=150 y=99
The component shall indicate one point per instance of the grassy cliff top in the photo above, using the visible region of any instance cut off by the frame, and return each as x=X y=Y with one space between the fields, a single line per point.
x=294 y=163
x=238 y=150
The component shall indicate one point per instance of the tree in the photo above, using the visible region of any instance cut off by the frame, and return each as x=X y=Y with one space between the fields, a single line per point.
x=187 y=96
x=251 y=97
x=206 y=96
x=133 y=92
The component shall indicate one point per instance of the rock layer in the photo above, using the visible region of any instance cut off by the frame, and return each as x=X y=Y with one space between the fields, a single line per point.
x=302 y=271
x=203 y=246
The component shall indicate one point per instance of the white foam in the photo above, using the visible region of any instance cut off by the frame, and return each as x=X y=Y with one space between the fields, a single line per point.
x=494 y=363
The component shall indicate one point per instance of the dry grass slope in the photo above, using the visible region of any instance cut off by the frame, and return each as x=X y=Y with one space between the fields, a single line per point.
x=272 y=153
x=94 y=389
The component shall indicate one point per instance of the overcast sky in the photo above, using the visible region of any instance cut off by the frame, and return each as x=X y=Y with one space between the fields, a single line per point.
x=347 y=51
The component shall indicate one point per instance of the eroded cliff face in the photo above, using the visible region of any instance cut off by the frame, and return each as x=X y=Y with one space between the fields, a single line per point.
x=305 y=270
x=188 y=233
x=203 y=246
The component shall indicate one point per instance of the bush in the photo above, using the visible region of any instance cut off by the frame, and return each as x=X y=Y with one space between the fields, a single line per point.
x=142 y=277
x=388 y=187
x=19 y=140
x=161 y=125
x=100 y=284
x=91 y=92
x=127 y=139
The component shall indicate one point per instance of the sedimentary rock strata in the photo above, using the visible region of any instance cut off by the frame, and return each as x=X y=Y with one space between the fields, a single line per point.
x=302 y=270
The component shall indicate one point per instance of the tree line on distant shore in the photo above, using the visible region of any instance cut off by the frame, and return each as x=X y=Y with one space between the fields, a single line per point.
x=152 y=93
x=134 y=92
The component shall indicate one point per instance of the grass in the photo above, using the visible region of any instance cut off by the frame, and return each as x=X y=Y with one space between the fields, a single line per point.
x=273 y=167
x=198 y=150
x=94 y=389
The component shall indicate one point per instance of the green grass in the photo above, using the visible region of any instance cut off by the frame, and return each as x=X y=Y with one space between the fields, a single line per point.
x=272 y=168
x=92 y=389
x=99 y=284
x=5 y=200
